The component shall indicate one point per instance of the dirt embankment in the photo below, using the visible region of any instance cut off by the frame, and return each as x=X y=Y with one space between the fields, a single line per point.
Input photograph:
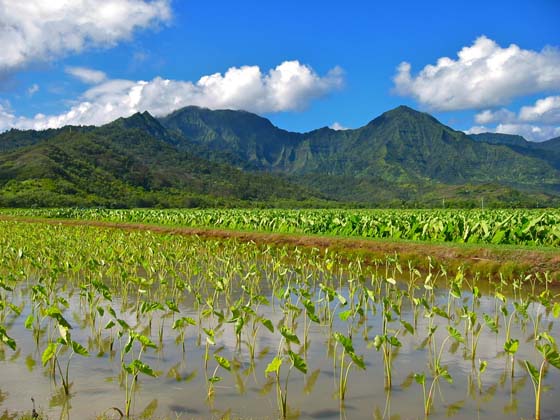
x=488 y=261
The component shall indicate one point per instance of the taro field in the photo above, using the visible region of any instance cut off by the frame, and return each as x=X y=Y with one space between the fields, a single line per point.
x=111 y=323
x=520 y=227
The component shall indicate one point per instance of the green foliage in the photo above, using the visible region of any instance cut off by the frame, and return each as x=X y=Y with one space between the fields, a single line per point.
x=201 y=158
x=512 y=227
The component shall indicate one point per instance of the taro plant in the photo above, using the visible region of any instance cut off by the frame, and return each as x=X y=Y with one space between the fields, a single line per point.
x=63 y=343
x=6 y=339
x=181 y=324
x=438 y=370
x=344 y=370
x=274 y=367
x=136 y=366
x=225 y=364
x=550 y=356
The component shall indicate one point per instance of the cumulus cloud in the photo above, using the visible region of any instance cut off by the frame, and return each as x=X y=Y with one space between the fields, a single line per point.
x=338 y=127
x=545 y=110
x=488 y=116
x=85 y=75
x=289 y=86
x=483 y=75
x=536 y=122
x=529 y=131
x=34 y=30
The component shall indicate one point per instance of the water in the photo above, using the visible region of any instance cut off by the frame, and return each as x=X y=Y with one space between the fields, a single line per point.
x=181 y=387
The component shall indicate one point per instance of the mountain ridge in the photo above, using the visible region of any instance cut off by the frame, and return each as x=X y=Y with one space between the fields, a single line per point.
x=401 y=157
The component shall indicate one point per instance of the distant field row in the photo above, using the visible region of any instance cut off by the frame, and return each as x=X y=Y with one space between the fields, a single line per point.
x=515 y=227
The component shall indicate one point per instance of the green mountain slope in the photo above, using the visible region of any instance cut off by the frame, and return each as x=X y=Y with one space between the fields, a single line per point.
x=549 y=150
x=404 y=151
x=123 y=164
x=196 y=156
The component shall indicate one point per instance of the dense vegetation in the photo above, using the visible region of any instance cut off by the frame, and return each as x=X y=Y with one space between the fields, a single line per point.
x=117 y=166
x=286 y=331
x=201 y=158
x=514 y=227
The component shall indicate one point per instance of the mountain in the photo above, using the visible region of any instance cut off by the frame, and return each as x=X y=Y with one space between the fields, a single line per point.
x=402 y=154
x=517 y=141
x=548 y=151
x=196 y=156
x=125 y=164
x=552 y=145
x=499 y=138
x=238 y=137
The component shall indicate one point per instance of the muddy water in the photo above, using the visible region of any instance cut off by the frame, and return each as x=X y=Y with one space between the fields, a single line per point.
x=181 y=388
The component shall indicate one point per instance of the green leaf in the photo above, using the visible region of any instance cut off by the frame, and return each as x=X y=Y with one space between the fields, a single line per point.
x=345 y=341
x=482 y=366
x=139 y=366
x=223 y=362
x=124 y=325
x=129 y=343
x=378 y=341
x=183 y=322
x=551 y=355
x=172 y=305
x=394 y=341
x=533 y=372
x=55 y=313
x=455 y=291
x=29 y=321
x=289 y=335
x=215 y=379
x=490 y=323
x=239 y=323
x=345 y=315
x=109 y=324
x=210 y=336
x=7 y=339
x=445 y=375
x=268 y=324
x=511 y=346
x=455 y=334
x=408 y=326
x=420 y=378
x=556 y=310
x=298 y=361
x=547 y=337
x=438 y=311
x=146 y=341
x=501 y=297
x=358 y=360
x=273 y=366
x=49 y=353
x=79 y=349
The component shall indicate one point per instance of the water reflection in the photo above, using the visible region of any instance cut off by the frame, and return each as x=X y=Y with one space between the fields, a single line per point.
x=181 y=388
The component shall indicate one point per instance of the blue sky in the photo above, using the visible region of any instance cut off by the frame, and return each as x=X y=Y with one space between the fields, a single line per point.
x=303 y=64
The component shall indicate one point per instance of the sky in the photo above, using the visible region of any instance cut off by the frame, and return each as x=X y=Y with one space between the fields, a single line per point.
x=475 y=65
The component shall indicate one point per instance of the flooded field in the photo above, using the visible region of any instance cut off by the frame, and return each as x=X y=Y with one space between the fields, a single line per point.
x=103 y=322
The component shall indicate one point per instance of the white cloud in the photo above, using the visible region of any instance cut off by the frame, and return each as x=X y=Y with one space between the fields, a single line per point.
x=530 y=132
x=537 y=122
x=86 y=75
x=488 y=116
x=483 y=75
x=545 y=110
x=33 y=89
x=477 y=129
x=34 y=30
x=289 y=86
x=338 y=127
